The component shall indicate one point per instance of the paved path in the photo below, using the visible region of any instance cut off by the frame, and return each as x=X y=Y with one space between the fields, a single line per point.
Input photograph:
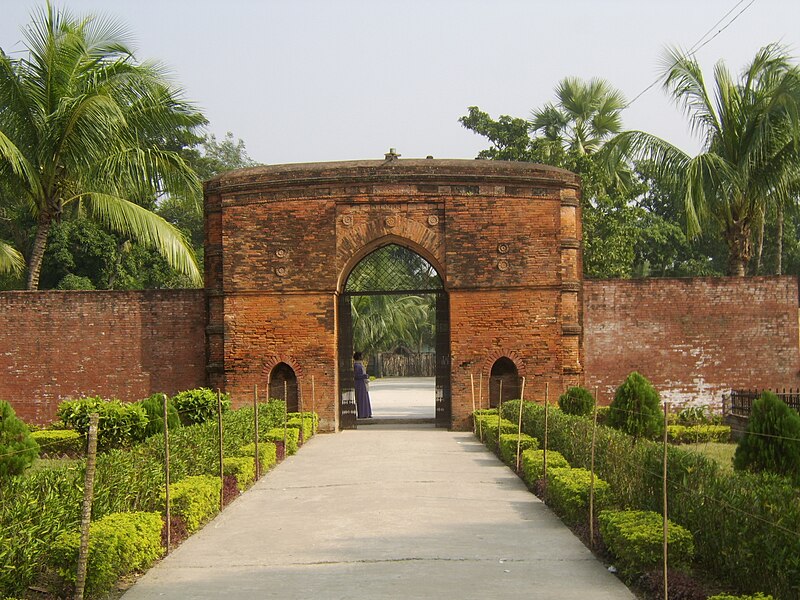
x=384 y=512
x=403 y=398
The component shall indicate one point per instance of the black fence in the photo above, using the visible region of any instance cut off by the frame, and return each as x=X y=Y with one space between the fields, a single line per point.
x=739 y=403
x=388 y=364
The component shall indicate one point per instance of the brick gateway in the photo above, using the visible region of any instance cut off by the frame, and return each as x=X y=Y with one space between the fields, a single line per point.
x=281 y=241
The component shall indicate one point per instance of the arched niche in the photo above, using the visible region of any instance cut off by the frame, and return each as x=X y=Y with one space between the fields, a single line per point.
x=506 y=371
x=283 y=385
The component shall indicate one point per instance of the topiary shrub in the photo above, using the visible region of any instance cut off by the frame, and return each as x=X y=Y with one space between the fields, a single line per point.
x=292 y=438
x=304 y=423
x=243 y=468
x=772 y=440
x=491 y=430
x=267 y=454
x=533 y=464
x=195 y=499
x=568 y=492
x=59 y=442
x=154 y=407
x=577 y=401
x=199 y=405
x=636 y=408
x=120 y=425
x=17 y=448
x=119 y=543
x=636 y=538
x=508 y=447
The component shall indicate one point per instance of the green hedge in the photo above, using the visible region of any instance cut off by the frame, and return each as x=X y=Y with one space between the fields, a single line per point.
x=119 y=543
x=729 y=514
x=692 y=434
x=508 y=447
x=756 y=596
x=196 y=499
x=568 y=492
x=292 y=438
x=533 y=464
x=636 y=538
x=58 y=442
x=306 y=422
x=267 y=453
x=491 y=428
x=199 y=405
x=241 y=467
x=120 y=425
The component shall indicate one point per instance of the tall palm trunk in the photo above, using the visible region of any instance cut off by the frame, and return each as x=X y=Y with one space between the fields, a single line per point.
x=37 y=251
x=779 y=260
x=760 y=243
x=740 y=246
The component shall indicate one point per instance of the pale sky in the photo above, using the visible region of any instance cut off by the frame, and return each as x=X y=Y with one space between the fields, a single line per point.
x=319 y=80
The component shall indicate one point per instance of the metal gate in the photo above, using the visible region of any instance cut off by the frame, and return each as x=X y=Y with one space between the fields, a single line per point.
x=393 y=270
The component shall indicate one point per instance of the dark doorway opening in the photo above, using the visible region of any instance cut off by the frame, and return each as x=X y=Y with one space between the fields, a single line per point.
x=283 y=385
x=395 y=305
x=503 y=370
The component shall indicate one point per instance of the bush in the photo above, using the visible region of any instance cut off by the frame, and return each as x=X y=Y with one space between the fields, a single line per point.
x=304 y=422
x=119 y=543
x=490 y=428
x=636 y=408
x=756 y=596
x=120 y=424
x=602 y=414
x=772 y=440
x=693 y=415
x=58 y=442
x=154 y=407
x=577 y=401
x=292 y=438
x=195 y=499
x=508 y=447
x=695 y=434
x=243 y=468
x=568 y=492
x=17 y=448
x=199 y=405
x=533 y=464
x=636 y=538
x=267 y=454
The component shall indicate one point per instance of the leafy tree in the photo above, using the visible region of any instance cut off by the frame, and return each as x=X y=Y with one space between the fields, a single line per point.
x=17 y=448
x=82 y=128
x=577 y=401
x=636 y=408
x=772 y=440
x=750 y=129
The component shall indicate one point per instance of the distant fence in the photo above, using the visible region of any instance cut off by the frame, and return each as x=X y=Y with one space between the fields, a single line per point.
x=739 y=403
x=389 y=364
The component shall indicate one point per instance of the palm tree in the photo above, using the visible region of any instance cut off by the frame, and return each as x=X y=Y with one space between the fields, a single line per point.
x=750 y=158
x=81 y=125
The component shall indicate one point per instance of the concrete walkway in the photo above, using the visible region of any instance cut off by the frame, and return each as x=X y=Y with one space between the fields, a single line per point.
x=403 y=397
x=384 y=512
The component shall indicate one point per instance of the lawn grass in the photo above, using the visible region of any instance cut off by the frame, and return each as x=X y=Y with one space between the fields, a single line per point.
x=722 y=453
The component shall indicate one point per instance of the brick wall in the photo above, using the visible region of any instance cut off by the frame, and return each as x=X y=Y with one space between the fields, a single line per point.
x=693 y=338
x=55 y=345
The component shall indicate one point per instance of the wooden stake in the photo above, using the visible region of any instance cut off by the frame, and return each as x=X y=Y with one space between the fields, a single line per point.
x=255 y=430
x=591 y=480
x=519 y=424
x=499 y=414
x=313 y=407
x=166 y=474
x=86 y=514
x=544 y=450
x=480 y=403
x=472 y=390
x=666 y=527
x=285 y=412
x=221 y=456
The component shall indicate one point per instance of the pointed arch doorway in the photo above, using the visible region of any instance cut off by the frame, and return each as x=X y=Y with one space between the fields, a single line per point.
x=395 y=271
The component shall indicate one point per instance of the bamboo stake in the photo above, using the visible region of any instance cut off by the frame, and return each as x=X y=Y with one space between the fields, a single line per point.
x=499 y=413
x=86 y=514
x=255 y=430
x=666 y=527
x=221 y=455
x=591 y=480
x=519 y=424
x=480 y=403
x=472 y=390
x=300 y=410
x=285 y=412
x=544 y=451
x=166 y=475
x=313 y=407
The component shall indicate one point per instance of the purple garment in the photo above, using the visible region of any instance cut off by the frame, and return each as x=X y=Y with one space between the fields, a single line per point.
x=362 y=394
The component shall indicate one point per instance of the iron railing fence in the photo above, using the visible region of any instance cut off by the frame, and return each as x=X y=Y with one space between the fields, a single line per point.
x=739 y=403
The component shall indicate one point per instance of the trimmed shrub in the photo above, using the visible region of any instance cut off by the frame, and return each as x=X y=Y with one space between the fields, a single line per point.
x=636 y=408
x=577 y=401
x=58 y=442
x=243 y=468
x=119 y=543
x=508 y=447
x=568 y=492
x=17 y=448
x=772 y=441
x=292 y=438
x=756 y=596
x=602 y=414
x=199 y=405
x=302 y=422
x=120 y=425
x=695 y=434
x=533 y=464
x=636 y=538
x=154 y=407
x=195 y=499
x=267 y=454
x=491 y=430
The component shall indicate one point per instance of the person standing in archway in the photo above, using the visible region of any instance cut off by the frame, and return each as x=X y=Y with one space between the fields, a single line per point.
x=362 y=391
